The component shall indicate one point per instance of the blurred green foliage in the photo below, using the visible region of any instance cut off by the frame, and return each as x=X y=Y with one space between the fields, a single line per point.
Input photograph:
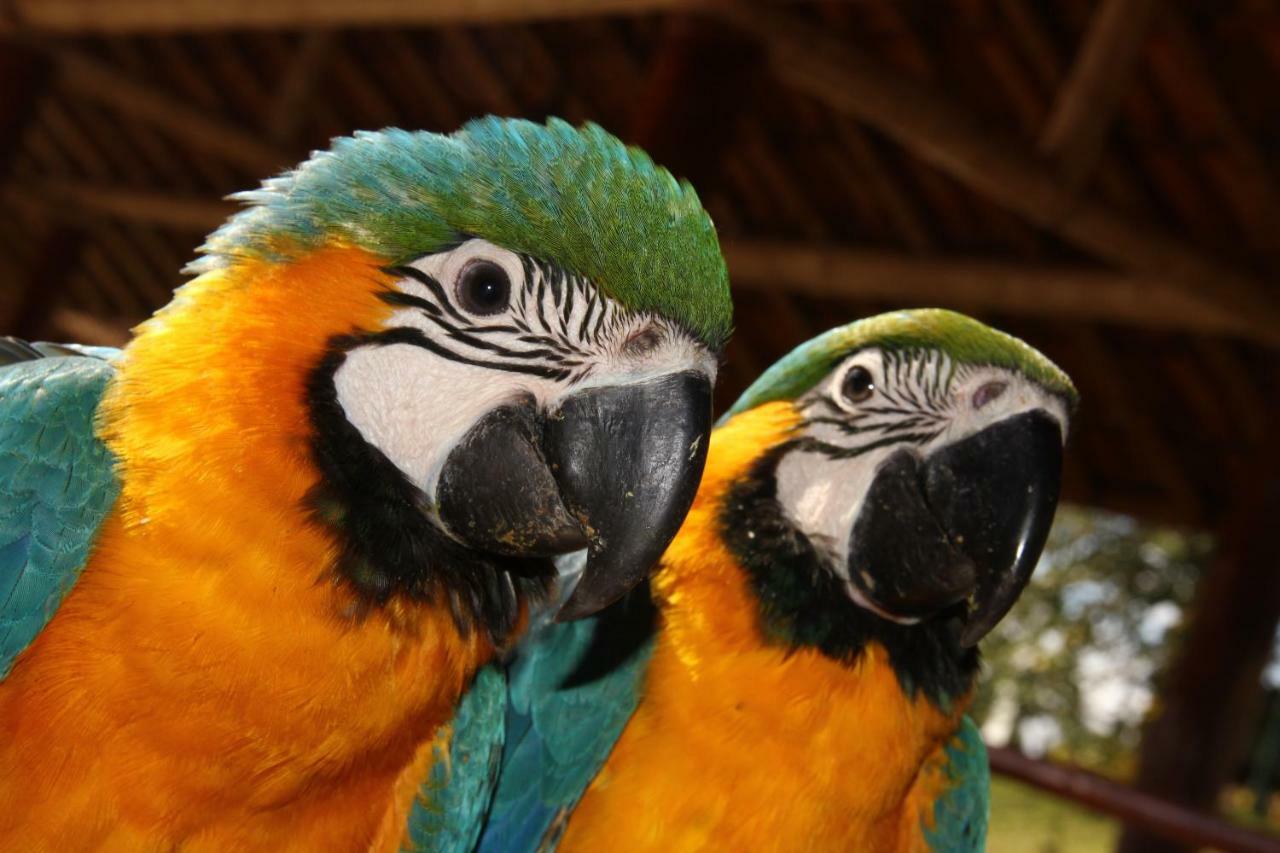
x=1024 y=820
x=1073 y=669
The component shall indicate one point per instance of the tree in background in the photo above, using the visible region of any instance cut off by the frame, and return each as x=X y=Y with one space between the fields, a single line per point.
x=1073 y=670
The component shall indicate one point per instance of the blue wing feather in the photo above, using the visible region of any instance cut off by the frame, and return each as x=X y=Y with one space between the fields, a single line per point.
x=572 y=688
x=961 y=813
x=449 y=812
x=538 y=730
x=57 y=484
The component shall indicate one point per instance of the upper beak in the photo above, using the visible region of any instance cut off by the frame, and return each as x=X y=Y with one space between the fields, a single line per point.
x=966 y=524
x=614 y=469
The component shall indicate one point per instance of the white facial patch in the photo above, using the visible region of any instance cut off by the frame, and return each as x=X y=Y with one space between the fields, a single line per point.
x=921 y=401
x=414 y=395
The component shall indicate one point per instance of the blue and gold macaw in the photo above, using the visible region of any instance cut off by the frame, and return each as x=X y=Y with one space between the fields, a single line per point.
x=871 y=507
x=249 y=564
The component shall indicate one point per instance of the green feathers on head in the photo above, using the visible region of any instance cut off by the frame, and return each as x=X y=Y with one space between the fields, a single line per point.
x=577 y=197
x=962 y=338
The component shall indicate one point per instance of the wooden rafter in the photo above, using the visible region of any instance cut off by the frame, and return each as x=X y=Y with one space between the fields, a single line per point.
x=85 y=328
x=58 y=256
x=1086 y=103
x=970 y=151
x=297 y=86
x=971 y=284
x=88 y=78
x=80 y=202
x=811 y=269
x=136 y=16
x=22 y=77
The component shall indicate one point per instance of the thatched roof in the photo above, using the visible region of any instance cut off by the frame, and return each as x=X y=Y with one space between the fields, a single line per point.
x=1098 y=178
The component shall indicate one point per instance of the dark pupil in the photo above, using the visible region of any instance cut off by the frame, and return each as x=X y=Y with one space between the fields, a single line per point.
x=858 y=384
x=484 y=288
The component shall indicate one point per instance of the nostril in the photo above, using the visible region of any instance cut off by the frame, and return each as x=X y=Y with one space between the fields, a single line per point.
x=987 y=393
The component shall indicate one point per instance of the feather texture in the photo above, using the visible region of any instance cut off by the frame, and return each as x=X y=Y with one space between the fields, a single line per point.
x=448 y=813
x=960 y=814
x=56 y=486
x=577 y=196
x=573 y=686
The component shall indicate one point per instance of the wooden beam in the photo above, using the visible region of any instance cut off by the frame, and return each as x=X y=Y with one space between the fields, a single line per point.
x=65 y=17
x=972 y=152
x=981 y=285
x=76 y=202
x=87 y=329
x=1076 y=130
x=88 y=78
x=832 y=272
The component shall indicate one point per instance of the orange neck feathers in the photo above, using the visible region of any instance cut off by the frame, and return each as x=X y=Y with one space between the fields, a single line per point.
x=207 y=682
x=737 y=740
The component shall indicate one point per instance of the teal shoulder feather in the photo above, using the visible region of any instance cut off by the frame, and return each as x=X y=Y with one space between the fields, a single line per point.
x=57 y=484
x=449 y=812
x=573 y=687
x=960 y=813
x=519 y=762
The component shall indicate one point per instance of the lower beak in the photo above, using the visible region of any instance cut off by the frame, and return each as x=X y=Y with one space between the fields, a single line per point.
x=614 y=469
x=966 y=524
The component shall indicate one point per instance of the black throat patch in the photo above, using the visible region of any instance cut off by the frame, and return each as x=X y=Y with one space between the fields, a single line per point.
x=803 y=604
x=389 y=545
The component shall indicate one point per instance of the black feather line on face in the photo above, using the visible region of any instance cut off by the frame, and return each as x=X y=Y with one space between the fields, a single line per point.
x=388 y=545
x=803 y=604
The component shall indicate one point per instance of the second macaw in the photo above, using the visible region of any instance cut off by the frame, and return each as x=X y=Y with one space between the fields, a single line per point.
x=871 y=507
x=249 y=564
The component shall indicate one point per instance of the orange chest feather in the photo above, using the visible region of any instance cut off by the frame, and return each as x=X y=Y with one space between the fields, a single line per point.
x=738 y=744
x=207 y=682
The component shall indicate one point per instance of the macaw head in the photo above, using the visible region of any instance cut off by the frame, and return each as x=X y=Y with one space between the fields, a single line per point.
x=540 y=379
x=911 y=495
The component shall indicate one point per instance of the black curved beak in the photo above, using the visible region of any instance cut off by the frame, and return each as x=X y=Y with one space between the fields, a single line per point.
x=614 y=469
x=966 y=524
x=628 y=460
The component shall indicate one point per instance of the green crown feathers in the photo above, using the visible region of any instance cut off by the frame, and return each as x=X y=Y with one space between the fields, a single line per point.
x=575 y=196
x=962 y=338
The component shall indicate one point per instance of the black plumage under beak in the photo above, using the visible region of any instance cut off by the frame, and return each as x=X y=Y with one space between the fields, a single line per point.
x=967 y=524
x=614 y=469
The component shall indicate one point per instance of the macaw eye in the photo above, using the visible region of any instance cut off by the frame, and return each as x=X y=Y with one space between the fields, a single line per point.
x=858 y=385
x=483 y=288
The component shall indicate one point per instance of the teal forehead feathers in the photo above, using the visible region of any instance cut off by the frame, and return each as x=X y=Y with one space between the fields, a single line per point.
x=577 y=197
x=963 y=339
